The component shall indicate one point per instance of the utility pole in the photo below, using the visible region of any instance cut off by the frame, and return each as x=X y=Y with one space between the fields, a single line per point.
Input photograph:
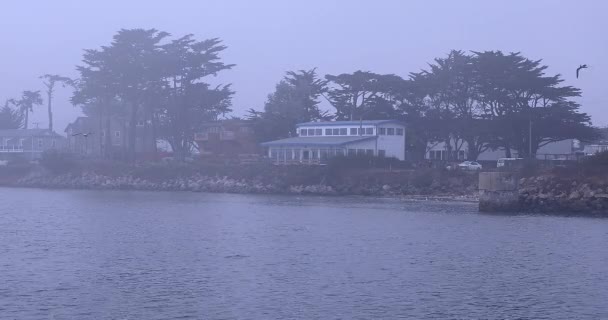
x=530 y=139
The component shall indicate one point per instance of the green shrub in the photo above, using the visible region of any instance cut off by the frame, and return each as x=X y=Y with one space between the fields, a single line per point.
x=598 y=159
x=529 y=168
x=366 y=161
x=422 y=179
x=58 y=162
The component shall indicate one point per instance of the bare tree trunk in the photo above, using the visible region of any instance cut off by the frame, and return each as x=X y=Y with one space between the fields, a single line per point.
x=133 y=133
x=507 y=150
x=124 y=141
x=27 y=117
x=50 y=98
x=154 y=137
x=99 y=130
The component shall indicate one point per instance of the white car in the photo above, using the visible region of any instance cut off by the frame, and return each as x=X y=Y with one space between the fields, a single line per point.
x=3 y=163
x=469 y=165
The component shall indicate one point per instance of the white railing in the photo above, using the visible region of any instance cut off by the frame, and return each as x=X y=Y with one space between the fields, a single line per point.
x=5 y=149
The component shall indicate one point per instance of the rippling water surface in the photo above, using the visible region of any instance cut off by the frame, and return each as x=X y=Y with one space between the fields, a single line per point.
x=138 y=255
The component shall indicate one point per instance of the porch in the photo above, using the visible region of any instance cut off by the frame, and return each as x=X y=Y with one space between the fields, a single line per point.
x=303 y=156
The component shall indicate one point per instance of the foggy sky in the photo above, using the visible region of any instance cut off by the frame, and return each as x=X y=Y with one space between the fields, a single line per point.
x=268 y=37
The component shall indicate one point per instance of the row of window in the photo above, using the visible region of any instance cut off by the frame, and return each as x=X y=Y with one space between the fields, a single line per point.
x=322 y=154
x=353 y=132
x=116 y=134
x=390 y=131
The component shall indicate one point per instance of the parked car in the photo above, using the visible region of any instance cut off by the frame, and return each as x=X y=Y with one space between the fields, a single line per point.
x=469 y=165
x=3 y=163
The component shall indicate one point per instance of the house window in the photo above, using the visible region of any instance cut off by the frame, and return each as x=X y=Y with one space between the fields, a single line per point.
x=399 y=131
x=244 y=129
x=353 y=131
x=336 y=132
x=311 y=132
x=339 y=152
x=39 y=143
x=288 y=154
x=381 y=153
x=390 y=131
x=117 y=134
x=343 y=132
x=382 y=131
x=319 y=132
x=369 y=152
x=303 y=132
x=460 y=154
x=369 y=131
x=361 y=131
x=360 y=152
x=328 y=132
x=352 y=152
x=213 y=129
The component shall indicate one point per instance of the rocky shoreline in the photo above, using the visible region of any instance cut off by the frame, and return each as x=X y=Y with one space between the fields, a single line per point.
x=223 y=184
x=553 y=194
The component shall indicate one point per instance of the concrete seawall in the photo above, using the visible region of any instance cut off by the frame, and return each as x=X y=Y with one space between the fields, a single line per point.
x=498 y=192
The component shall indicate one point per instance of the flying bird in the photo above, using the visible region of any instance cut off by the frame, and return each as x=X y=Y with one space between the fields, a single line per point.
x=83 y=134
x=582 y=66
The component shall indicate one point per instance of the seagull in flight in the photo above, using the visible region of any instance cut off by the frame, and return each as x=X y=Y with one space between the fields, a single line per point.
x=582 y=66
x=83 y=134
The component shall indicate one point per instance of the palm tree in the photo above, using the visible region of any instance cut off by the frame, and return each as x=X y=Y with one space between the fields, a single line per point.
x=26 y=104
x=50 y=80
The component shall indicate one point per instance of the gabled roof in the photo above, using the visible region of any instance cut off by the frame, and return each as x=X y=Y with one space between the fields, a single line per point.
x=81 y=122
x=317 y=141
x=25 y=133
x=350 y=123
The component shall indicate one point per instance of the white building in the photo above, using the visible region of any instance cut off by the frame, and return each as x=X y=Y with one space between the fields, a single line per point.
x=28 y=143
x=592 y=149
x=318 y=141
x=559 y=150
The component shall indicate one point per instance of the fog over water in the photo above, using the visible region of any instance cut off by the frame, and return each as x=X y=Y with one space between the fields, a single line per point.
x=267 y=38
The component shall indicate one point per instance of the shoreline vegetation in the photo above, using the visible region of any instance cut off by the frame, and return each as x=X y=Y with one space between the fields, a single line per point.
x=579 y=189
x=340 y=179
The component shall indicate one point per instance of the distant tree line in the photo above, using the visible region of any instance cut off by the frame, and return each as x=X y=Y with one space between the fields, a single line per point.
x=487 y=100
x=143 y=75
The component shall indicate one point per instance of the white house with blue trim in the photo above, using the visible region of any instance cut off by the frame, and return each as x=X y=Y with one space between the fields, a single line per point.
x=319 y=141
